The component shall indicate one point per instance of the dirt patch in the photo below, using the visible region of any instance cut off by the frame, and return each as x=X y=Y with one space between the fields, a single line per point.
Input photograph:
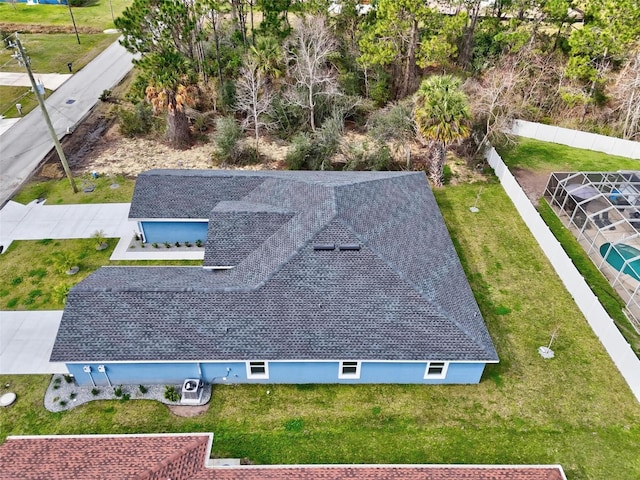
x=31 y=28
x=188 y=411
x=532 y=182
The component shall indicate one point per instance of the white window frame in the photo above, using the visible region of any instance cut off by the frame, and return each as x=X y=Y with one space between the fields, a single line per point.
x=251 y=375
x=341 y=373
x=445 y=367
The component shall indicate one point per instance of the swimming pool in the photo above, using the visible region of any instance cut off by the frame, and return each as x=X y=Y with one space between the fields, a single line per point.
x=618 y=254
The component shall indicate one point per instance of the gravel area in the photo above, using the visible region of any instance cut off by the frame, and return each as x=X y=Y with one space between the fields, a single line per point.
x=64 y=394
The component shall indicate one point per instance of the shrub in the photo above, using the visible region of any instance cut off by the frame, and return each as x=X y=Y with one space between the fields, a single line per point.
x=105 y=96
x=16 y=281
x=63 y=403
x=63 y=261
x=140 y=121
x=177 y=244
x=60 y=292
x=73 y=395
x=315 y=153
x=299 y=152
x=228 y=134
x=118 y=391
x=171 y=393
x=364 y=157
x=125 y=397
x=187 y=244
x=167 y=245
x=67 y=378
x=95 y=391
x=143 y=389
x=285 y=118
x=198 y=243
x=154 y=245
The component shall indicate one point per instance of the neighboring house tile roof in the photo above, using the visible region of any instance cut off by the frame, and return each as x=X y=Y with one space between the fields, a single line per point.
x=402 y=296
x=96 y=457
x=184 y=457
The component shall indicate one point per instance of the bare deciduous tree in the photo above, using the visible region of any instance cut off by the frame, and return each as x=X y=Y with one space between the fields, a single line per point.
x=308 y=56
x=253 y=96
x=627 y=91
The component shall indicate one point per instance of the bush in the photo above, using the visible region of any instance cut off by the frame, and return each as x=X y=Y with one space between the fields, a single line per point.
x=140 y=121
x=105 y=96
x=299 y=152
x=229 y=148
x=67 y=378
x=143 y=389
x=171 y=393
x=95 y=391
x=380 y=88
x=364 y=157
x=285 y=118
x=118 y=391
x=315 y=153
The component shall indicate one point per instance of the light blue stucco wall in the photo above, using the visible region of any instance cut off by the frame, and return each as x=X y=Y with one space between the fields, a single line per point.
x=279 y=372
x=172 y=232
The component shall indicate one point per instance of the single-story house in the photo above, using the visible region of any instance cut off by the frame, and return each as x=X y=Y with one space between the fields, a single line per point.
x=186 y=457
x=308 y=277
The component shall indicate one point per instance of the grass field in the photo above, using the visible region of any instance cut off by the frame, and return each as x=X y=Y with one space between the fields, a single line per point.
x=58 y=192
x=574 y=410
x=545 y=156
x=50 y=53
x=96 y=15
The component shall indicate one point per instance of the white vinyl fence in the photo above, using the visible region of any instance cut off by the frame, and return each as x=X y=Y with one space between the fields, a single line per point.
x=577 y=139
x=603 y=326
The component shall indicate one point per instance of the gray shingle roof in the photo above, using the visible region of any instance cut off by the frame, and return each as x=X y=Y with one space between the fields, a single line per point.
x=401 y=296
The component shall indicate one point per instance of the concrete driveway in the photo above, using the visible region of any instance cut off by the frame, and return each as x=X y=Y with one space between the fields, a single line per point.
x=26 y=341
x=36 y=221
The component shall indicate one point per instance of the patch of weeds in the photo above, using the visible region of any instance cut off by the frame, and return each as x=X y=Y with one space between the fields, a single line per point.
x=502 y=310
x=376 y=411
x=109 y=410
x=38 y=273
x=4 y=293
x=125 y=397
x=294 y=425
x=171 y=393
x=143 y=389
x=13 y=302
x=44 y=241
x=16 y=281
x=305 y=386
x=95 y=391
x=118 y=391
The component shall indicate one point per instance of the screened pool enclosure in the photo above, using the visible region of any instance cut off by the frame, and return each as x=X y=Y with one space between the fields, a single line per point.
x=602 y=210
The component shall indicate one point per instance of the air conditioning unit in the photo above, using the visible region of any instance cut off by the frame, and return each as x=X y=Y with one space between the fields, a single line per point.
x=192 y=389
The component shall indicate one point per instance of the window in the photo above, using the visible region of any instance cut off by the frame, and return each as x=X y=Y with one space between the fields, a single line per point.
x=257 y=370
x=436 y=370
x=349 y=370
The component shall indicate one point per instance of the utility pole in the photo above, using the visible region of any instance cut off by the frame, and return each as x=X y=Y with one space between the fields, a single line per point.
x=73 y=20
x=45 y=114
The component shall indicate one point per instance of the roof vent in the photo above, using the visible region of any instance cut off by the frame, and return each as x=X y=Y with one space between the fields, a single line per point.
x=349 y=246
x=324 y=246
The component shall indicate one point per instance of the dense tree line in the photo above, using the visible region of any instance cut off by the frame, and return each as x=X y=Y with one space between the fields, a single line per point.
x=435 y=71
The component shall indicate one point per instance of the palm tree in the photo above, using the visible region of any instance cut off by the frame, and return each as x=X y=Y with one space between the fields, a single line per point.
x=442 y=116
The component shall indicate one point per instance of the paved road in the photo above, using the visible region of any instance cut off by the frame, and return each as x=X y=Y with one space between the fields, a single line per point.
x=25 y=144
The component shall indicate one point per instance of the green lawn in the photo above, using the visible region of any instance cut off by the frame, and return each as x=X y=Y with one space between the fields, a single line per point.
x=552 y=157
x=97 y=15
x=50 y=53
x=9 y=96
x=33 y=273
x=59 y=191
x=574 y=410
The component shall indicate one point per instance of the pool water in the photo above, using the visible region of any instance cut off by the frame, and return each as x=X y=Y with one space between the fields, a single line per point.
x=618 y=254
